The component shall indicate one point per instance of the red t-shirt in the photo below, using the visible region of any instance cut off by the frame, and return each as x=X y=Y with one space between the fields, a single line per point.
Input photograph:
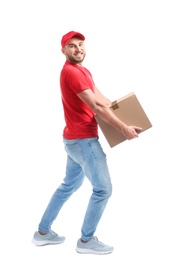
x=79 y=118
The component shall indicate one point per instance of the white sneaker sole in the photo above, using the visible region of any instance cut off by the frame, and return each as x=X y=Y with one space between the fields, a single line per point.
x=90 y=251
x=45 y=242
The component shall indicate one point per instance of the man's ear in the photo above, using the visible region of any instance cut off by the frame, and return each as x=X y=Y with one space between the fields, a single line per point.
x=63 y=51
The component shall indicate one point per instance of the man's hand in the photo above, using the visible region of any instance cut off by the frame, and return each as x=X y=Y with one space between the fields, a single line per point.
x=131 y=132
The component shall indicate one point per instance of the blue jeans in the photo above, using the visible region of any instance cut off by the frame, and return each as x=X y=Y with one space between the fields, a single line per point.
x=85 y=157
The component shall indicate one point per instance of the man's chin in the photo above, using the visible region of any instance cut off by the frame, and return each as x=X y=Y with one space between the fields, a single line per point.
x=79 y=59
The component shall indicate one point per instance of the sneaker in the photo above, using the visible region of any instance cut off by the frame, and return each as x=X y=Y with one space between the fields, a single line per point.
x=48 y=239
x=93 y=246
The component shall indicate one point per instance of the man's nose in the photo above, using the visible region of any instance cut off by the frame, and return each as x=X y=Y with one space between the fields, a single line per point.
x=78 y=48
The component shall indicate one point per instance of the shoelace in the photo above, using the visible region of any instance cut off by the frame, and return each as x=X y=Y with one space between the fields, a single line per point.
x=53 y=232
x=96 y=239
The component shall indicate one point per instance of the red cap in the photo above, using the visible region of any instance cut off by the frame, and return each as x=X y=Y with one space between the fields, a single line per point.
x=66 y=38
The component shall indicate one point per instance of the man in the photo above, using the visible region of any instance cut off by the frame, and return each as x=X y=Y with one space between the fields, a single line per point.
x=81 y=100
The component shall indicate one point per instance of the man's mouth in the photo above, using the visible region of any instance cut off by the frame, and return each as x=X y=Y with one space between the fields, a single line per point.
x=78 y=54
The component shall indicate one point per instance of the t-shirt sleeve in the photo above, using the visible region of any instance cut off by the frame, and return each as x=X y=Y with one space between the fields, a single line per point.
x=78 y=81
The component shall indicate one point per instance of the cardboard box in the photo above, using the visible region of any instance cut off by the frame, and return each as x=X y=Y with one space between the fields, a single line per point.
x=129 y=110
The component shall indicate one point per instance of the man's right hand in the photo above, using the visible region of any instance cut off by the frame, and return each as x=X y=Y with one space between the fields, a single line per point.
x=131 y=132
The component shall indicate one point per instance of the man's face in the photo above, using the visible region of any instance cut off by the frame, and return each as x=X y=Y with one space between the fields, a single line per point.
x=74 y=50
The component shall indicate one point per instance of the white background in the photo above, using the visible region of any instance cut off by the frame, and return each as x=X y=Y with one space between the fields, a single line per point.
x=129 y=48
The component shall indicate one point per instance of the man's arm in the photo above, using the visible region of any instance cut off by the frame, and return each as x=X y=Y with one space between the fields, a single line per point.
x=102 y=97
x=100 y=105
